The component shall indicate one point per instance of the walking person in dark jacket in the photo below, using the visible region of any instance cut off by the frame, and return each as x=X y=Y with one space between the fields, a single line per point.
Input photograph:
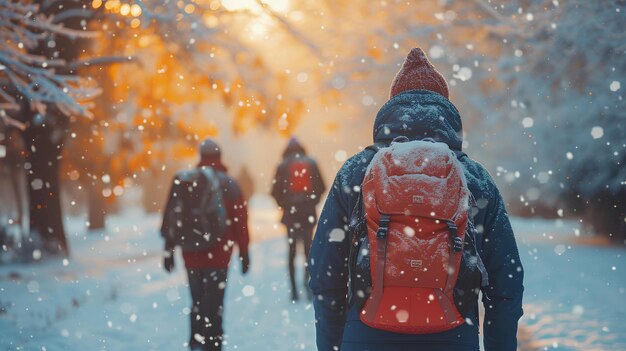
x=418 y=109
x=297 y=188
x=207 y=266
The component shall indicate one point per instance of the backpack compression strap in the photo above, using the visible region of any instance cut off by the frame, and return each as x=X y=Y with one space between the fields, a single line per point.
x=210 y=177
x=381 y=253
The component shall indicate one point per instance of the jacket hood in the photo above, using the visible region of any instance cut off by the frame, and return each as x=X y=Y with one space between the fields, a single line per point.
x=294 y=148
x=419 y=114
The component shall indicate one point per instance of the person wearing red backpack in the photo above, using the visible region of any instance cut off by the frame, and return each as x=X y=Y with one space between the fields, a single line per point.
x=410 y=233
x=206 y=216
x=297 y=188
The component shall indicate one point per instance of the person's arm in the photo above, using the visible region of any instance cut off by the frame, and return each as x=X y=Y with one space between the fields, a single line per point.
x=238 y=216
x=278 y=187
x=318 y=183
x=167 y=210
x=166 y=228
x=329 y=270
x=503 y=297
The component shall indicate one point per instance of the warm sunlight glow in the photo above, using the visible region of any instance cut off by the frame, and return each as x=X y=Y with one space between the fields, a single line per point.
x=252 y=5
x=278 y=5
x=135 y=10
x=211 y=21
x=135 y=23
x=257 y=28
x=125 y=10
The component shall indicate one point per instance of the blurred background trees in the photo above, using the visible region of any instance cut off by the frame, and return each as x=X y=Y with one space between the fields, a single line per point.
x=40 y=94
x=537 y=83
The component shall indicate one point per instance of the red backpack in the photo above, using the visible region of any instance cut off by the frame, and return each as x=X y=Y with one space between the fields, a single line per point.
x=415 y=206
x=300 y=174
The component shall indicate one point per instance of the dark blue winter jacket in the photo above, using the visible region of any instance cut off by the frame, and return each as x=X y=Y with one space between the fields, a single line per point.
x=416 y=114
x=298 y=207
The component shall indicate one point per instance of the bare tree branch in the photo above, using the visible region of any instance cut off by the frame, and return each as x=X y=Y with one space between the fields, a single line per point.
x=101 y=61
x=290 y=28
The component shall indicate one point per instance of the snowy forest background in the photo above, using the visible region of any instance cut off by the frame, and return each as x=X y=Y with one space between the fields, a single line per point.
x=103 y=100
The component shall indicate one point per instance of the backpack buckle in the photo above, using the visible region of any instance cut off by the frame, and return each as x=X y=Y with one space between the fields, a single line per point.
x=383 y=226
x=457 y=243
x=452 y=228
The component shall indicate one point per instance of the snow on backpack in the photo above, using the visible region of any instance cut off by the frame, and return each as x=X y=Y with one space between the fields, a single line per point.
x=198 y=216
x=416 y=213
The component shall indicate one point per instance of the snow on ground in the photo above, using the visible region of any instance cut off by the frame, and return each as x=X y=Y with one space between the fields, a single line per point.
x=113 y=295
x=575 y=287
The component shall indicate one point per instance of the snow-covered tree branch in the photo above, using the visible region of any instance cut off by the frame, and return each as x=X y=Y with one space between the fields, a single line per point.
x=33 y=77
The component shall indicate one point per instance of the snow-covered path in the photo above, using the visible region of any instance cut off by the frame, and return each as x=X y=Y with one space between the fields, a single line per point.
x=575 y=288
x=112 y=294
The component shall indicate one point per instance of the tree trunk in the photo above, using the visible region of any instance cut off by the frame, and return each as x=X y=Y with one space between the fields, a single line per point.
x=44 y=135
x=96 y=208
x=18 y=191
x=15 y=164
x=155 y=188
x=42 y=174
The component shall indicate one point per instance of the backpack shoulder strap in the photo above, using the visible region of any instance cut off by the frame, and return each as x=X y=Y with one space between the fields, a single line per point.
x=459 y=154
x=484 y=275
x=377 y=146
x=356 y=216
x=211 y=177
x=213 y=189
x=356 y=226
x=481 y=265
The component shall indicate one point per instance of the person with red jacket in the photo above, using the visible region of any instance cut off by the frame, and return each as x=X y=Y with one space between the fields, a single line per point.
x=207 y=268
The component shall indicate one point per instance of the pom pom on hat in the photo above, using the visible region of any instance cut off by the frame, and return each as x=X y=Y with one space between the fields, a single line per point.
x=418 y=73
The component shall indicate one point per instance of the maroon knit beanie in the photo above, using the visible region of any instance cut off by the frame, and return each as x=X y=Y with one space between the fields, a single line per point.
x=418 y=73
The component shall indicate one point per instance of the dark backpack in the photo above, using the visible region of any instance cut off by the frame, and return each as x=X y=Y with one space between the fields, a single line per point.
x=414 y=266
x=197 y=216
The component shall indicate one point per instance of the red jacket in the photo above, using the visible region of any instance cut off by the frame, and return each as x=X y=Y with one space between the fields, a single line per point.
x=237 y=230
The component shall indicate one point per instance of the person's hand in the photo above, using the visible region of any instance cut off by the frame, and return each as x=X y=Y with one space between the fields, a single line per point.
x=245 y=263
x=168 y=260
